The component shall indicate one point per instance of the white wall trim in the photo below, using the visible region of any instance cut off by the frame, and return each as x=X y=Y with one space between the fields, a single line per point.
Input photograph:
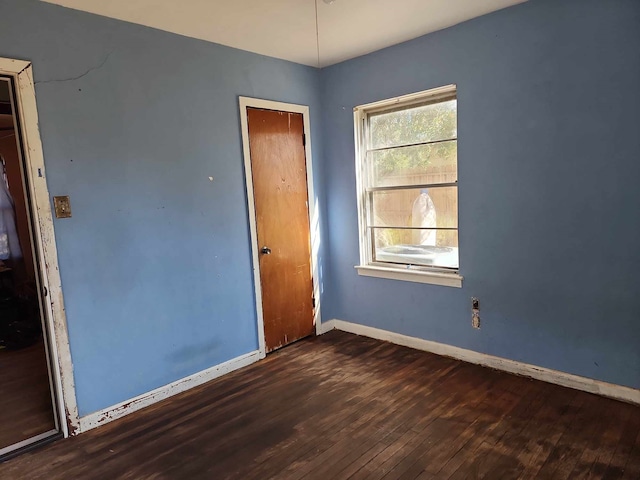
x=313 y=208
x=122 y=409
x=444 y=279
x=58 y=350
x=598 y=387
x=327 y=326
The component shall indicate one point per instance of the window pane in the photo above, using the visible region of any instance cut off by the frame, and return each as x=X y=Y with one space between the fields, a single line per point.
x=427 y=123
x=406 y=247
x=426 y=208
x=422 y=164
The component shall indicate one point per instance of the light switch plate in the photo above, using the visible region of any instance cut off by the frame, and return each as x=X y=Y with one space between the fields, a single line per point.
x=62 y=206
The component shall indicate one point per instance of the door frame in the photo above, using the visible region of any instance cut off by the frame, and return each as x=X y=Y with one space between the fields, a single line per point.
x=248 y=102
x=55 y=322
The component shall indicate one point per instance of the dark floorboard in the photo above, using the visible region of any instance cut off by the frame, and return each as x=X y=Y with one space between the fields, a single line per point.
x=347 y=407
x=25 y=398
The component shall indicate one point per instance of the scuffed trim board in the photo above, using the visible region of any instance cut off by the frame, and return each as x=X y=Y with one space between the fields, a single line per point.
x=122 y=409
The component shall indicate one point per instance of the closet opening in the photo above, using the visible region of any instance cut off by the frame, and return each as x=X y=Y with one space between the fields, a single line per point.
x=28 y=403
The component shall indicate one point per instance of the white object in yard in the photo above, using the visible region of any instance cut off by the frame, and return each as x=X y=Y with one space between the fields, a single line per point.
x=9 y=243
x=423 y=214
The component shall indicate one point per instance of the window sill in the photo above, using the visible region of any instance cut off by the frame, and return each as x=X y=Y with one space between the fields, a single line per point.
x=435 y=278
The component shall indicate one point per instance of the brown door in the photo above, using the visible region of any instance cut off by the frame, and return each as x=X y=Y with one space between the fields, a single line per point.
x=279 y=173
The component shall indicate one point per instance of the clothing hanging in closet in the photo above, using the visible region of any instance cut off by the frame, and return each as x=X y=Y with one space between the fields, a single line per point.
x=9 y=243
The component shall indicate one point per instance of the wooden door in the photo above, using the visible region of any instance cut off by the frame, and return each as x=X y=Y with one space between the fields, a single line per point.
x=279 y=174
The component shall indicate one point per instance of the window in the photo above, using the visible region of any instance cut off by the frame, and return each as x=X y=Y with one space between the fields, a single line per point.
x=407 y=172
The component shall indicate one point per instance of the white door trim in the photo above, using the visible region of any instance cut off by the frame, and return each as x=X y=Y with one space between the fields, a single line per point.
x=45 y=243
x=313 y=207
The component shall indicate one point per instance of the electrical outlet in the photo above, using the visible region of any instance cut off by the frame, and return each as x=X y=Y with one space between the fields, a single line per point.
x=475 y=313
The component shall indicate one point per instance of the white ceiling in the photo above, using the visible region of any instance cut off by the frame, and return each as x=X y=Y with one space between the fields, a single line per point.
x=287 y=28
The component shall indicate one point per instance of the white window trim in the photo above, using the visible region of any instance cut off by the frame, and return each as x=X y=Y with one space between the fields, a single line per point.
x=367 y=267
x=444 y=279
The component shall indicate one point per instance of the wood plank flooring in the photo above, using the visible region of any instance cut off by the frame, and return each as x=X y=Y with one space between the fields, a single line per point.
x=25 y=399
x=347 y=407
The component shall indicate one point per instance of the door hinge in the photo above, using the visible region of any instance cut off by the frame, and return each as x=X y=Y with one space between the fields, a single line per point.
x=313 y=302
x=304 y=140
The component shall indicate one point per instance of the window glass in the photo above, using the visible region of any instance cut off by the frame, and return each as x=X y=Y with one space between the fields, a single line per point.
x=416 y=247
x=421 y=164
x=409 y=169
x=427 y=123
x=423 y=208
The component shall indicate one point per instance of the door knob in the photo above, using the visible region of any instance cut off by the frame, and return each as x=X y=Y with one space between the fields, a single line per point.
x=265 y=251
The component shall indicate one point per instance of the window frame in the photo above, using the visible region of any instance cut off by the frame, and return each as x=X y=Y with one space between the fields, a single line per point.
x=368 y=267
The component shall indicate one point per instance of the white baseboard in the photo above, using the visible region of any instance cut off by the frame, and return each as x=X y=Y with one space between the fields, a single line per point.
x=610 y=390
x=114 y=412
x=327 y=326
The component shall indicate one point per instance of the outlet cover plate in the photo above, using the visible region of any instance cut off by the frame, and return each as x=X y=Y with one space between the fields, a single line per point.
x=62 y=206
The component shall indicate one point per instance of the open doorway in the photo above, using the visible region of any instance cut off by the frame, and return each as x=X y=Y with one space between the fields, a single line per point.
x=27 y=394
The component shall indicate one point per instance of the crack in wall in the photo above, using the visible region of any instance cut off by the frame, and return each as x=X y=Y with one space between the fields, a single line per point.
x=78 y=77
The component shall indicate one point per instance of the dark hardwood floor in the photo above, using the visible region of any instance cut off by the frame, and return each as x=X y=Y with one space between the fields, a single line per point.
x=25 y=398
x=341 y=406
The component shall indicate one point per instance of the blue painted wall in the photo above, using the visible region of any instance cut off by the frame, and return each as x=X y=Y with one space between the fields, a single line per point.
x=549 y=150
x=155 y=263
